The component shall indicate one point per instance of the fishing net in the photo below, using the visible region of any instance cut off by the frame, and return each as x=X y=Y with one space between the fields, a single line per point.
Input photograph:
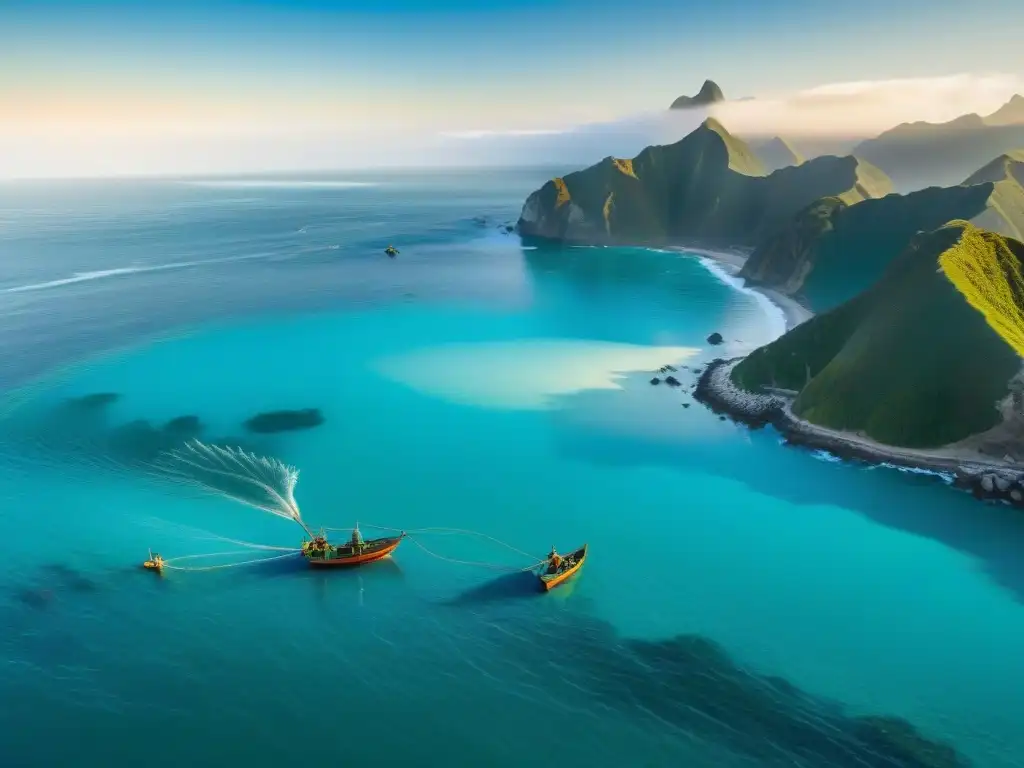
x=261 y=482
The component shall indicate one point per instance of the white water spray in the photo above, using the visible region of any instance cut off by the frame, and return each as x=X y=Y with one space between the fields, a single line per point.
x=260 y=482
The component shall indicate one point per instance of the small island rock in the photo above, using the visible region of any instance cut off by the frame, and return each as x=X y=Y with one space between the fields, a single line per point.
x=715 y=338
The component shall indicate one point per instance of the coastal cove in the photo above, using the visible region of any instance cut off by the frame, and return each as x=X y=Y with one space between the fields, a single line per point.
x=916 y=354
x=790 y=608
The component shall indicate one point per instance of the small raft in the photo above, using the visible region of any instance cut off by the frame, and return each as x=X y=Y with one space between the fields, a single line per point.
x=320 y=554
x=568 y=568
x=155 y=562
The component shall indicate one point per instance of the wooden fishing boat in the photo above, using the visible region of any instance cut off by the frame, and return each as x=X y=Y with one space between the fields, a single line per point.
x=321 y=554
x=568 y=568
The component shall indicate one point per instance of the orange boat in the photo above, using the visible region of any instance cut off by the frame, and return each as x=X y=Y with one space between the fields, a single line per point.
x=551 y=575
x=321 y=554
x=155 y=563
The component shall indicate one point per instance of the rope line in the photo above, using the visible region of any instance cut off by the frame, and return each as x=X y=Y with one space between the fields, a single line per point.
x=291 y=552
x=226 y=565
x=495 y=566
x=250 y=544
x=205 y=554
x=210 y=536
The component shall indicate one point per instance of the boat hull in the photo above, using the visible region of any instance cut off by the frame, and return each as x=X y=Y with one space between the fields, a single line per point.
x=375 y=550
x=551 y=580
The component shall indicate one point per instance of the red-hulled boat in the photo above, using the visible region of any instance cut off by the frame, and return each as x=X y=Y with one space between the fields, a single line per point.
x=322 y=554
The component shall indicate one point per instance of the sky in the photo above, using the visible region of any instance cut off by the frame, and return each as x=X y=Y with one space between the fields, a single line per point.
x=110 y=88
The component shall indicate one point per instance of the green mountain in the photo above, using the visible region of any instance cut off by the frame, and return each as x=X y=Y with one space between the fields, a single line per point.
x=919 y=155
x=830 y=251
x=709 y=93
x=1011 y=113
x=922 y=358
x=708 y=186
x=776 y=153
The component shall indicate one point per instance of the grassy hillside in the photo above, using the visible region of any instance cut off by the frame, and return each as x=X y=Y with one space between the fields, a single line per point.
x=830 y=252
x=708 y=186
x=919 y=155
x=922 y=357
x=776 y=153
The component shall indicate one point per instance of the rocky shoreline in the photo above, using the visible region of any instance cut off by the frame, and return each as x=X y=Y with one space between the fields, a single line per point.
x=993 y=481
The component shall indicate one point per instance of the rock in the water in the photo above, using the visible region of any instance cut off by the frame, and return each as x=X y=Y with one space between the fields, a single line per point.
x=285 y=421
x=686 y=405
x=721 y=418
x=987 y=484
x=715 y=338
x=672 y=381
x=1003 y=484
x=655 y=380
x=1016 y=495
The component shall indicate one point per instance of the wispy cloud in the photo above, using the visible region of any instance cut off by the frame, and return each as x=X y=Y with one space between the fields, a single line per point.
x=866 y=108
x=819 y=116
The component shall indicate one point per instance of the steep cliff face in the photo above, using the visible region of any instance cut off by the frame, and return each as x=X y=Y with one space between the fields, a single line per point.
x=785 y=260
x=707 y=186
x=922 y=358
x=829 y=252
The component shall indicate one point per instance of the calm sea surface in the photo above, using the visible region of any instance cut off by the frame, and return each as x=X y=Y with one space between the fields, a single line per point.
x=744 y=604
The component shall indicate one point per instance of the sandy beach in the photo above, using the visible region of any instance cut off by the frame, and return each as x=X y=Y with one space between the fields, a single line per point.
x=732 y=262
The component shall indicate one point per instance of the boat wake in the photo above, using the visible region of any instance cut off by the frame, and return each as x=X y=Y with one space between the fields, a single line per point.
x=279 y=184
x=82 y=277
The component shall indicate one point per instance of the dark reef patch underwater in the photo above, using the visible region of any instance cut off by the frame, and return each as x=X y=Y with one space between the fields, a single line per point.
x=82 y=428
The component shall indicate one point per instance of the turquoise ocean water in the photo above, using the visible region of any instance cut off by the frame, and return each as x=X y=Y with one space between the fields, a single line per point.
x=744 y=603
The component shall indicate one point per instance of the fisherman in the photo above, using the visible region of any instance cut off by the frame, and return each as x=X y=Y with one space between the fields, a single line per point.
x=391 y=251
x=357 y=539
x=554 y=561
